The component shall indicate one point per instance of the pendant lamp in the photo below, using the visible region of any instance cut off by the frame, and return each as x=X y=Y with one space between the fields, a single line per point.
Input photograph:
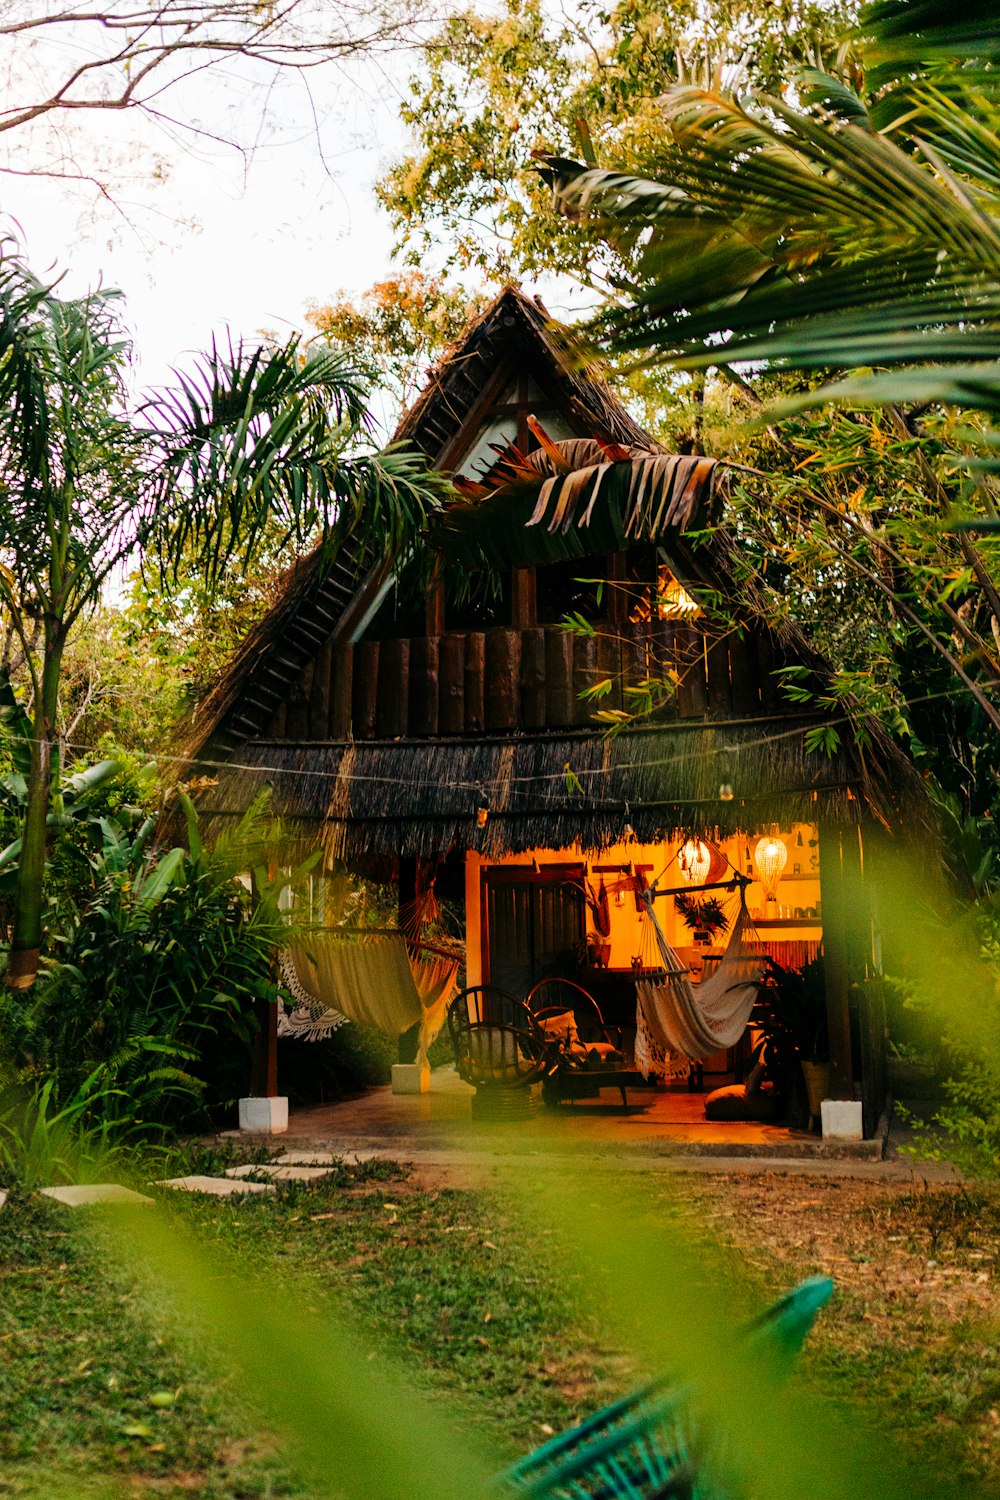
x=770 y=857
x=694 y=861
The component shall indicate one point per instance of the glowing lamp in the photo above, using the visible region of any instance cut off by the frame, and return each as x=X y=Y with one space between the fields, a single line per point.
x=695 y=861
x=770 y=857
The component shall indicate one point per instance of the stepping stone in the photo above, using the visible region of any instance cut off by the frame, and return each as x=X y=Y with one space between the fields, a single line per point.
x=216 y=1187
x=3 y=1198
x=310 y=1159
x=82 y=1195
x=279 y=1172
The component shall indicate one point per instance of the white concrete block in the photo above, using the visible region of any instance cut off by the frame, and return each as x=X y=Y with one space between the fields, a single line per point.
x=82 y=1195
x=279 y=1172
x=842 y=1120
x=410 y=1078
x=215 y=1187
x=265 y=1116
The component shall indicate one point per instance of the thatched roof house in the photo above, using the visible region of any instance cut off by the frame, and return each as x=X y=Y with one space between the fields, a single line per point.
x=441 y=710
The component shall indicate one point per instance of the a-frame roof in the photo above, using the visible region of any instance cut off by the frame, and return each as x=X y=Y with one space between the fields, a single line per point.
x=318 y=603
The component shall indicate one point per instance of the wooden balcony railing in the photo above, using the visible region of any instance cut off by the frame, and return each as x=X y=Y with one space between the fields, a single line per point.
x=499 y=681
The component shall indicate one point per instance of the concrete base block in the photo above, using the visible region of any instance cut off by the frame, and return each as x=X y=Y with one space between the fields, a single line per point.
x=264 y=1116
x=410 y=1078
x=842 y=1120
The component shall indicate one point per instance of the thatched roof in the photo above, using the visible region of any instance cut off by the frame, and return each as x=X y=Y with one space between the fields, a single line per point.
x=384 y=799
x=513 y=329
x=314 y=600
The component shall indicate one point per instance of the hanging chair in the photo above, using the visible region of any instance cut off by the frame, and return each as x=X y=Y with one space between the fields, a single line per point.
x=675 y=1016
x=377 y=979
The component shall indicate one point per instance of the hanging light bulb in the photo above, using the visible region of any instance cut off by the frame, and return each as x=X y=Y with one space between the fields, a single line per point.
x=694 y=861
x=482 y=809
x=770 y=857
x=726 y=791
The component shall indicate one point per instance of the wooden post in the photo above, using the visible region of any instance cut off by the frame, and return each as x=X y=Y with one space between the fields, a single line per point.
x=366 y=655
x=392 y=713
x=319 y=698
x=743 y=675
x=770 y=699
x=720 y=692
x=264 y=1059
x=503 y=676
x=836 y=941
x=451 y=685
x=584 y=676
x=560 y=709
x=424 y=668
x=533 y=679
x=609 y=666
x=298 y=705
x=523 y=608
x=407 y=895
x=475 y=675
x=342 y=690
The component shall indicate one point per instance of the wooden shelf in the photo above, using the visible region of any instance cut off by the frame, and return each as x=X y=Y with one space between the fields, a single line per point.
x=786 y=921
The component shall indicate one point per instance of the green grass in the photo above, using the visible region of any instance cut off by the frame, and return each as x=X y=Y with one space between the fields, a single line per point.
x=477 y=1302
x=95 y=1378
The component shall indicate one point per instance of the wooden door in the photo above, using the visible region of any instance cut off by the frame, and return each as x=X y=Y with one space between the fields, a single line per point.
x=534 y=925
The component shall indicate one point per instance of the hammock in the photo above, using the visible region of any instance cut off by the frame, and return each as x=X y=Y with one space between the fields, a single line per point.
x=376 y=980
x=676 y=1016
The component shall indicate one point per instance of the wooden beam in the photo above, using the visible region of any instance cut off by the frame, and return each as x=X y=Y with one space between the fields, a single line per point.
x=424 y=671
x=366 y=655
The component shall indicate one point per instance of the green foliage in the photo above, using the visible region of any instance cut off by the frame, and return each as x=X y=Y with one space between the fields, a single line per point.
x=500 y=86
x=153 y=978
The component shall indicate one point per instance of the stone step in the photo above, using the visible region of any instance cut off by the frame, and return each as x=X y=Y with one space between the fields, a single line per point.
x=279 y=1172
x=82 y=1195
x=216 y=1187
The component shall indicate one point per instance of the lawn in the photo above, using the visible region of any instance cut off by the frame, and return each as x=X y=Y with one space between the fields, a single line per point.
x=463 y=1287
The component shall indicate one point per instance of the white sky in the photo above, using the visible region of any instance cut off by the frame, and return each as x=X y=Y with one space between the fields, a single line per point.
x=215 y=243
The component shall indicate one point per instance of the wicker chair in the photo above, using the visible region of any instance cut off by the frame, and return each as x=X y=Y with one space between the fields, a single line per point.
x=589 y=1055
x=499 y=1048
x=646 y=1446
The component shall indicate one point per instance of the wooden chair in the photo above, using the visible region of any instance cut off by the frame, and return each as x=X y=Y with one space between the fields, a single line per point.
x=589 y=1054
x=499 y=1048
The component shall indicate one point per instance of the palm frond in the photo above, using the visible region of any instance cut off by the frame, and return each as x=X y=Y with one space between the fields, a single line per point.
x=263 y=435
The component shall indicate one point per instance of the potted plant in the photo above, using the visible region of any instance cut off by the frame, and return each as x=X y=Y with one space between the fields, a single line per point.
x=702 y=915
x=790 y=1017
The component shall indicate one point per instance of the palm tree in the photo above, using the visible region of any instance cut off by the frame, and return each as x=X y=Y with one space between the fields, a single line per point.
x=849 y=231
x=253 y=437
x=855 y=227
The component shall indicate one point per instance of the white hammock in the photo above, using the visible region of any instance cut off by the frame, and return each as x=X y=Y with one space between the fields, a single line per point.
x=678 y=1017
x=375 y=980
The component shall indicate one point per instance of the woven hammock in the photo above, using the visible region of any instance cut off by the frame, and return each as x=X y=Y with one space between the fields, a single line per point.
x=377 y=980
x=695 y=1021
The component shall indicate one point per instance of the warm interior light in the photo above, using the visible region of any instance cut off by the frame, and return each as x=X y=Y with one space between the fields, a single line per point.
x=770 y=857
x=694 y=861
x=726 y=791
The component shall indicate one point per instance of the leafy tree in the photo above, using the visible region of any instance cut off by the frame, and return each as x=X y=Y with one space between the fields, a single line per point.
x=398 y=327
x=500 y=86
x=253 y=437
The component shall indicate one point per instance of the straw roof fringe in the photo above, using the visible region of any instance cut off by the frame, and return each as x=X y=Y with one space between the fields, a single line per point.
x=392 y=798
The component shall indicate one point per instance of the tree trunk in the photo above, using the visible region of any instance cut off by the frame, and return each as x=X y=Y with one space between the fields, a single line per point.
x=26 y=938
